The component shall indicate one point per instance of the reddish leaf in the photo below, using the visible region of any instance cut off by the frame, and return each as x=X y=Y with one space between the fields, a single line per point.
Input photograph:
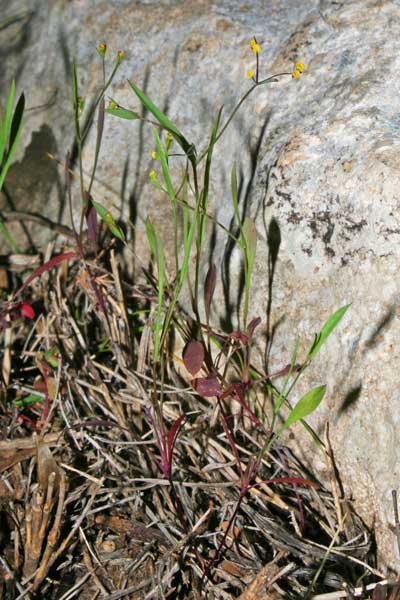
x=193 y=356
x=293 y=480
x=171 y=441
x=46 y=267
x=207 y=386
x=91 y=220
x=239 y=335
x=252 y=325
x=209 y=288
x=27 y=310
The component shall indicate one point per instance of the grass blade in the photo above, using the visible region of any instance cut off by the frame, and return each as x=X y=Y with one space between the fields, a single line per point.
x=15 y=131
x=121 y=112
x=109 y=220
x=305 y=406
x=326 y=330
x=164 y=122
x=6 y=122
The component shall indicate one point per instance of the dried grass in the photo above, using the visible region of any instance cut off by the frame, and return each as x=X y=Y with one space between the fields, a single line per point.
x=85 y=511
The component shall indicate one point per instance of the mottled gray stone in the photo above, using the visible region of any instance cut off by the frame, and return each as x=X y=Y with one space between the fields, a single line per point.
x=317 y=157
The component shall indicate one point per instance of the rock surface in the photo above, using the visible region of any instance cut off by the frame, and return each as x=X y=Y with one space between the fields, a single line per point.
x=318 y=159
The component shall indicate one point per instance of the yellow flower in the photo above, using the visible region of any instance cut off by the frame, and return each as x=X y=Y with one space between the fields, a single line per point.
x=102 y=49
x=154 y=154
x=112 y=104
x=120 y=55
x=298 y=69
x=153 y=175
x=250 y=73
x=255 y=46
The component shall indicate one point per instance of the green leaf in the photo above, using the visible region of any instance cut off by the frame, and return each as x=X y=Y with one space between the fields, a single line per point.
x=14 y=133
x=6 y=122
x=189 y=149
x=31 y=399
x=326 y=330
x=122 y=113
x=164 y=164
x=249 y=232
x=109 y=220
x=305 y=406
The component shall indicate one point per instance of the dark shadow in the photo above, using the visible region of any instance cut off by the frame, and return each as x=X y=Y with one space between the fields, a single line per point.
x=380 y=328
x=30 y=181
x=350 y=399
x=136 y=190
x=65 y=53
x=274 y=239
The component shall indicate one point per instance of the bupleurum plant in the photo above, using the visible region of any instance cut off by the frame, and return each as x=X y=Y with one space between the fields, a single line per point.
x=177 y=454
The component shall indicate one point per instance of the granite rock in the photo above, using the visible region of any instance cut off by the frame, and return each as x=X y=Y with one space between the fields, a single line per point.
x=318 y=168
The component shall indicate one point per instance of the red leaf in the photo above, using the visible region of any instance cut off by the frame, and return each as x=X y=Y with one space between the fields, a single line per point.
x=252 y=325
x=207 y=386
x=46 y=267
x=239 y=335
x=293 y=480
x=172 y=436
x=193 y=357
x=27 y=310
x=209 y=288
x=91 y=220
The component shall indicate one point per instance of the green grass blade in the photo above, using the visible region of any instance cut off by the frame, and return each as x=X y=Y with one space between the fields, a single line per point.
x=281 y=397
x=6 y=122
x=326 y=330
x=305 y=406
x=14 y=133
x=122 y=113
x=164 y=121
x=9 y=238
x=164 y=165
x=207 y=172
x=250 y=239
x=109 y=220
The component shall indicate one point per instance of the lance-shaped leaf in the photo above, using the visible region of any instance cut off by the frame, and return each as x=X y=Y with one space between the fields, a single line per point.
x=326 y=330
x=91 y=221
x=305 y=406
x=209 y=289
x=121 y=112
x=46 y=267
x=249 y=232
x=165 y=122
x=109 y=220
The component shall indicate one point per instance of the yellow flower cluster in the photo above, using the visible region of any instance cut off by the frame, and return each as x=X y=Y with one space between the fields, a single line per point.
x=112 y=104
x=120 y=56
x=298 y=69
x=255 y=46
x=102 y=49
x=250 y=73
